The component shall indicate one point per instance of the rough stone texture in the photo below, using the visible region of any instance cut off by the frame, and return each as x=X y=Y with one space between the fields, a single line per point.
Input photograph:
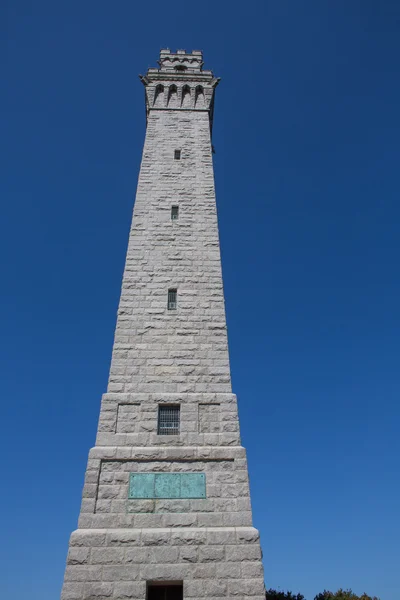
x=172 y=357
x=217 y=562
x=156 y=350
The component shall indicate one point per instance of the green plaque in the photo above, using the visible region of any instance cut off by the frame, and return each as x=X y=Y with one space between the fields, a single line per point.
x=167 y=485
x=141 y=485
x=193 y=485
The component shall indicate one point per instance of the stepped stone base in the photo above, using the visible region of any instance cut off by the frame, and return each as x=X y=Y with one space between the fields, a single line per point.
x=214 y=562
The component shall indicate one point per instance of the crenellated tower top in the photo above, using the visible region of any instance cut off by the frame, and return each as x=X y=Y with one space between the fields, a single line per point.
x=181 y=62
x=180 y=83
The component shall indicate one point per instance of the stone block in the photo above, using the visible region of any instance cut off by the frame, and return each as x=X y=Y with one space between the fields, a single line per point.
x=246 y=535
x=180 y=520
x=156 y=537
x=244 y=552
x=165 y=572
x=214 y=587
x=164 y=555
x=246 y=587
x=228 y=570
x=204 y=571
x=77 y=555
x=211 y=554
x=118 y=572
x=149 y=520
x=91 y=538
x=124 y=590
x=123 y=538
x=72 y=591
x=97 y=590
x=89 y=490
x=189 y=554
x=221 y=536
x=238 y=519
x=209 y=519
x=106 y=556
x=252 y=569
x=85 y=521
x=82 y=573
x=190 y=537
x=137 y=555
x=102 y=506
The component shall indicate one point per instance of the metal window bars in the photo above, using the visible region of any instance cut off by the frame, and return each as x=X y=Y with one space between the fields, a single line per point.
x=172 y=298
x=168 y=420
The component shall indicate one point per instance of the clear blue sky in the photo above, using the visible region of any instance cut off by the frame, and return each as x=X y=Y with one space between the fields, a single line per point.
x=307 y=128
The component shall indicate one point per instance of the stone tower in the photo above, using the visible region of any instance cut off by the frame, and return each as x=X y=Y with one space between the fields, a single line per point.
x=166 y=508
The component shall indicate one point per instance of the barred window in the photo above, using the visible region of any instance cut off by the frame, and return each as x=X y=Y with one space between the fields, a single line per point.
x=168 y=420
x=177 y=154
x=172 y=298
x=174 y=213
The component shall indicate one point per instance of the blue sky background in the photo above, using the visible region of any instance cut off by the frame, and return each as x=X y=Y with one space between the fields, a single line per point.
x=307 y=128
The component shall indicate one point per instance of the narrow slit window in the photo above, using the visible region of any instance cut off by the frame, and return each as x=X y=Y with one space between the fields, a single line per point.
x=174 y=213
x=172 y=298
x=177 y=154
x=168 y=420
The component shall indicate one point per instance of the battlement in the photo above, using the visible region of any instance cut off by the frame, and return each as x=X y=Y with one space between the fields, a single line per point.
x=181 y=61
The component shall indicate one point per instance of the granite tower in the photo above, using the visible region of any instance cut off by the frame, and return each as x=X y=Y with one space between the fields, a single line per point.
x=166 y=507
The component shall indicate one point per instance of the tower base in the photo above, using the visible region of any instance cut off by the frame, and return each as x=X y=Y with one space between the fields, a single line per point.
x=217 y=562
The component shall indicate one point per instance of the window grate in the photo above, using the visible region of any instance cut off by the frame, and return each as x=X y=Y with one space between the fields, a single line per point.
x=172 y=298
x=177 y=154
x=168 y=420
x=174 y=213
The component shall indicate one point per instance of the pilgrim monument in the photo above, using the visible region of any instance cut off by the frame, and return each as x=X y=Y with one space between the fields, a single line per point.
x=166 y=511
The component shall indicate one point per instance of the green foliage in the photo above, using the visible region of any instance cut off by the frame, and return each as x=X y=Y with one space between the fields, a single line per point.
x=278 y=595
x=343 y=595
x=325 y=595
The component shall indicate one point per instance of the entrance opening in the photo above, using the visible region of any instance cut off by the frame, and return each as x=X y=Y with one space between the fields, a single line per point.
x=165 y=591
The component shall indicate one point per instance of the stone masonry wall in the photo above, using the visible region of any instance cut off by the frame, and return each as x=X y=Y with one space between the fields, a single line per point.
x=169 y=357
x=105 y=501
x=131 y=420
x=216 y=563
x=156 y=350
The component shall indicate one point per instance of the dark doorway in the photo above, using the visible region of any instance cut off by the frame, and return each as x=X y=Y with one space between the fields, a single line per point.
x=165 y=592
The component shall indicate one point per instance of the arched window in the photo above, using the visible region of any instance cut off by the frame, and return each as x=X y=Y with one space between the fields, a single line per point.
x=199 y=97
x=159 y=95
x=186 y=96
x=172 y=96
